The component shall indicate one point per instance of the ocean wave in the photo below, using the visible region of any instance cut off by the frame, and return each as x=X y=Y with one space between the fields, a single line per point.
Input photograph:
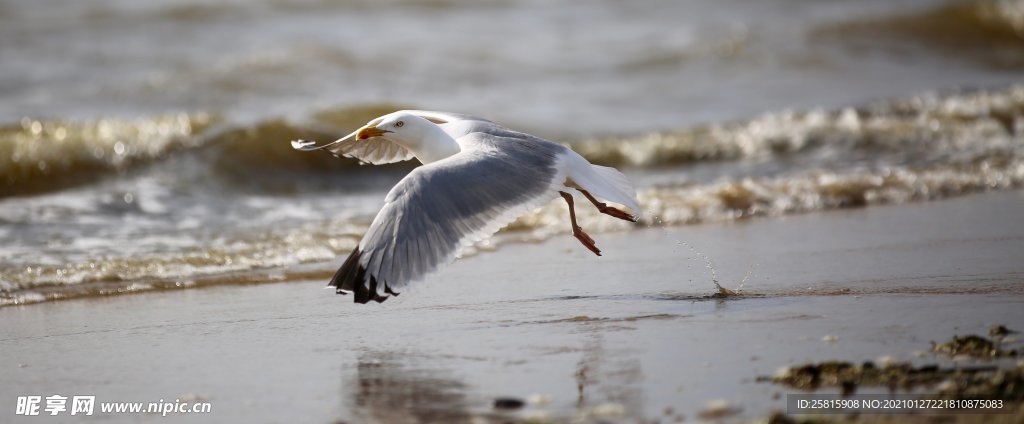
x=37 y=155
x=920 y=148
x=933 y=125
x=259 y=258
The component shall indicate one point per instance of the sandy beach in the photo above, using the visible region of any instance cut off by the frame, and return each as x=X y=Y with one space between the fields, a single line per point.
x=633 y=336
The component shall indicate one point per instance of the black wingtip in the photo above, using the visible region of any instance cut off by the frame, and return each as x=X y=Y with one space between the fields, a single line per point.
x=350 y=278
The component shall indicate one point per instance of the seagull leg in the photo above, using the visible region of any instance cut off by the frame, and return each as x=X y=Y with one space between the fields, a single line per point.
x=608 y=210
x=577 y=231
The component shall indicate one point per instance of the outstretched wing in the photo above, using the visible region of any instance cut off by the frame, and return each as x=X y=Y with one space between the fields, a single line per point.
x=443 y=206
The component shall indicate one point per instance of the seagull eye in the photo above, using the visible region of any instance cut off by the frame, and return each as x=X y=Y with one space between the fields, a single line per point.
x=399 y=124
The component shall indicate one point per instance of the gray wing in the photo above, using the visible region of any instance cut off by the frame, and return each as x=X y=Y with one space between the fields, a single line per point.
x=441 y=207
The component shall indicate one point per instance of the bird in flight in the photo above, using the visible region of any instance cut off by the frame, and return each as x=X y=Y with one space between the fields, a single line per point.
x=477 y=177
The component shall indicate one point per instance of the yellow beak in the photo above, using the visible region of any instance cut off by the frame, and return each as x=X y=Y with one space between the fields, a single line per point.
x=369 y=132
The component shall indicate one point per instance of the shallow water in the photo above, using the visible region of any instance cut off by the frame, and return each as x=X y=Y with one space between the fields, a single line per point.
x=619 y=338
x=160 y=159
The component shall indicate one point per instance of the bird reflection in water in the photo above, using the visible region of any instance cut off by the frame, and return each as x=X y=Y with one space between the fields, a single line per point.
x=390 y=389
x=606 y=376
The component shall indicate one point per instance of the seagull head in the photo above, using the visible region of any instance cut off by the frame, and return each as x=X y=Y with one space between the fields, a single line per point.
x=426 y=140
x=403 y=128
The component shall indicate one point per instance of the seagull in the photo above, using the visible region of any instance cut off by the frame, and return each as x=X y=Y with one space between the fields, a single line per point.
x=476 y=178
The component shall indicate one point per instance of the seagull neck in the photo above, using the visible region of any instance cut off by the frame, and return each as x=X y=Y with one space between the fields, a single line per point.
x=435 y=145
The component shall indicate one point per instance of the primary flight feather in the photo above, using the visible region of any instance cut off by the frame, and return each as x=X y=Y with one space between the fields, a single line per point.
x=477 y=177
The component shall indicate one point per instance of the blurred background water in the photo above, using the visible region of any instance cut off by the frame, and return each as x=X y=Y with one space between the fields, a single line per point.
x=144 y=145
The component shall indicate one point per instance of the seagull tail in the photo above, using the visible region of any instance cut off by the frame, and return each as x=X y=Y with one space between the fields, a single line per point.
x=604 y=182
x=352 y=278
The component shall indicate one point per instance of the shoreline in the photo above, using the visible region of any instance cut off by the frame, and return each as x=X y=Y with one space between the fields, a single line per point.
x=323 y=270
x=628 y=335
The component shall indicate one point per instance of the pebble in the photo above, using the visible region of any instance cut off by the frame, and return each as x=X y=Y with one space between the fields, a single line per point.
x=508 y=403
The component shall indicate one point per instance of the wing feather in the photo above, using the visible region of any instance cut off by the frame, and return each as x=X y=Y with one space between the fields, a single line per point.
x=376 y=151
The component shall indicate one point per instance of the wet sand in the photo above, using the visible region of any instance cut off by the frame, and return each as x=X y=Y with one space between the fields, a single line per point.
x=632 y=335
